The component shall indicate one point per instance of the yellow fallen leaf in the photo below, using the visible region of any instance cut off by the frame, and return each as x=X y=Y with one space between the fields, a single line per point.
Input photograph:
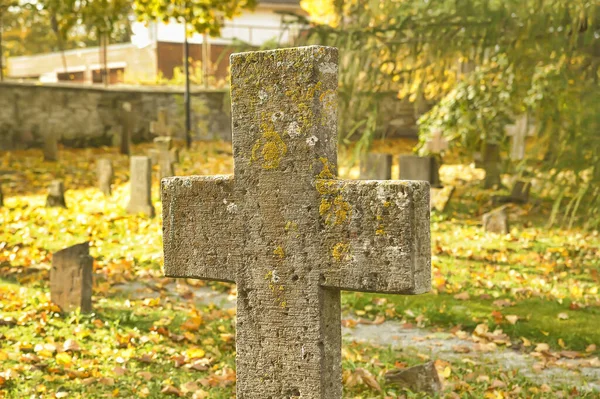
x=561 y=343
x=64 y=359
x=195 y=353
x=563 y=316
x=542 y=347
x=511 y=318
x=526 y=342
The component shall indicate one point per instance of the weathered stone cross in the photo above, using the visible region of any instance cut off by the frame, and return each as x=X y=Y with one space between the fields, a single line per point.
x=437 y=143
x=288 y=232
x=519 y=132
x=161 y=126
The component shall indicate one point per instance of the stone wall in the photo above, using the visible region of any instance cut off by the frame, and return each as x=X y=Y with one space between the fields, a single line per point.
x=86 y=115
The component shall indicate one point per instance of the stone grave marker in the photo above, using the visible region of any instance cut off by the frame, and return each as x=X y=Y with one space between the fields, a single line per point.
x=414 y=167
x=420 y=378
x=127 y=126
x=165 y=156
x=437 y=143
x=496 y=221
x=140 y=178
x=288 y=232
x=71 y=278
x=160 y=127
x=51 y=147
x=56 y=195
x=376 y=167
x=105 y=176
x=519 y=131
x=518 y=195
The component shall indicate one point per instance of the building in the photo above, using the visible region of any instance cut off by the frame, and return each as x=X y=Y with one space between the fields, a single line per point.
x=156 y=50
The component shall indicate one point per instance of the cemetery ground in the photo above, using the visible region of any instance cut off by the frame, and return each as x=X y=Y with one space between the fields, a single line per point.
x=509 y=316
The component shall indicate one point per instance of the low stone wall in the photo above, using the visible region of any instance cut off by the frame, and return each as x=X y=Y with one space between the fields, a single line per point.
x=89 y=115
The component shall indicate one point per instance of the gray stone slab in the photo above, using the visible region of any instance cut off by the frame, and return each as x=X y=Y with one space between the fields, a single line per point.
x=287 y=232
x=56 y=195
x=105 y=176
x=71 y=278
x=413 y=167
x=496 y=221
x=376 y=167
x=165 y=160
x=140 y=200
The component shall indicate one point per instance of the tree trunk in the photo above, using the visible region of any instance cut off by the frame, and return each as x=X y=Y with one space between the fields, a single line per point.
x=491 y=165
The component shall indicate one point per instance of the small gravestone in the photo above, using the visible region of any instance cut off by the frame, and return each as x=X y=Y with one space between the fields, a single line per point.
x=496 y=221
x=127 y=126
x=140 y=178
x=376 y=167
x=421 y=378
x=71 y=278
x=56 y=195
x=105 y=176
x=437 y=143
x=165 y=156
x=413 y=167
x=288 y=232
x=518 y=195
x=51 y=148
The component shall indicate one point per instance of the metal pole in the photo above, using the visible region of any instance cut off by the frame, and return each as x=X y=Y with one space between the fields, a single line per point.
x=186 y=96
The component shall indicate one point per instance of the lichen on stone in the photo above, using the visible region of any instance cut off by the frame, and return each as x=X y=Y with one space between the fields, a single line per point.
x=270 y=145
x=340 y=251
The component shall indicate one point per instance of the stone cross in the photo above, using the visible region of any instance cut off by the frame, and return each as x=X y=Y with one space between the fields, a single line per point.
x=161 y=126
x=437 y=143
x=376 y=167
x=287 y=231
x=56 y=195
x=71 y=278
x=519 y=131
x=105 y=176
x=140 y=200
x=165 y=157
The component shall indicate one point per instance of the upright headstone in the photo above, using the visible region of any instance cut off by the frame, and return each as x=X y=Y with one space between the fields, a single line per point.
x=105 y=176
x=140 y=178
x=71 y=278
x=165 y=156
x=127 y=126
x=51 y=147
x=518 y=195
x=413 y=167
x=288 y=232
x=496 y=221
x=56 y=195
x=376 y=167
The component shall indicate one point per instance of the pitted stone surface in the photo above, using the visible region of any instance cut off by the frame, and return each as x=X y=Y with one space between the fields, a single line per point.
x=71 y=278
x=105 y=176
x=288 y=233
x=376 y=167
x=140 y=200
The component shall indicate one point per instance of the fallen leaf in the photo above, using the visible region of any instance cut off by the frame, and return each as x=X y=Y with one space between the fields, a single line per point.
x=542 y=347
x=170 y=390
x=463 y=296
x=590 y=348
x=368 y=379
x=511 y=318
x=563 y=316
x=189 y=386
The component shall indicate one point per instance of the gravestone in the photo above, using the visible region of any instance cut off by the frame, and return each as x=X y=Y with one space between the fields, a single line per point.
x=71 y=278
x=51 y=147
x=518 y=195
x=56 y=195
x=496 y=221
x=105 y=176
x=376 y=167
x=519 y=131
x=413 y=167
x=161 y=127
x=140 y=178
x=127 y=126
x=437 y=143
x=420 y=378
x=165 y=156
x=287 y=231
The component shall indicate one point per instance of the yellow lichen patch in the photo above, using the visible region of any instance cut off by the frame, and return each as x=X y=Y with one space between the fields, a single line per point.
x=387 y=204
x=326 y=172
x=342 y=209
x=279 y=252
x=340 y=251
x=271 y=146
x=289 y=226
x=324 y=207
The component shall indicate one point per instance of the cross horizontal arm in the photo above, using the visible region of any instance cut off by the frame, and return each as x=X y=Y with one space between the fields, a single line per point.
x=201 y=232
x=377 y=235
